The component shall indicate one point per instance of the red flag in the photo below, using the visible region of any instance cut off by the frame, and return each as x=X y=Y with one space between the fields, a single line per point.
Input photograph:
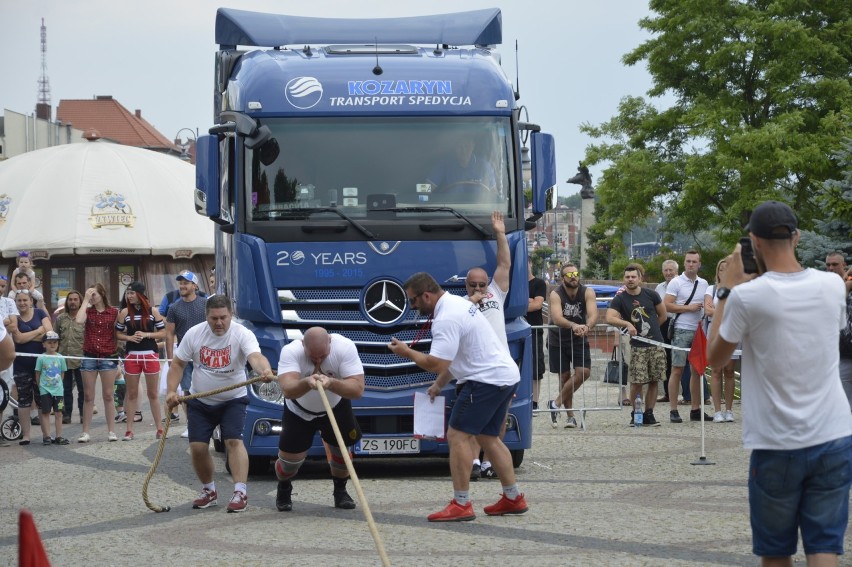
x=30 y=549
x=698 y=352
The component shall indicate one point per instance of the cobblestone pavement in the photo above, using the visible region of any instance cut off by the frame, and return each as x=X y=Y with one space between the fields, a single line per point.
x=605 y=494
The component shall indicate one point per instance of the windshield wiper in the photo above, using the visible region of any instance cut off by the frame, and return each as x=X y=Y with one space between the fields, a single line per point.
x=308 y=211
x=476 y=227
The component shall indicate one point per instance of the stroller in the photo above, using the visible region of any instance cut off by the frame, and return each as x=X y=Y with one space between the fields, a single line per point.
x=10 y=428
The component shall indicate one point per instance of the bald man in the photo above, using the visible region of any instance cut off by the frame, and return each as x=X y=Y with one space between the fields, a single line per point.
x=489 y=297
x=331 y=360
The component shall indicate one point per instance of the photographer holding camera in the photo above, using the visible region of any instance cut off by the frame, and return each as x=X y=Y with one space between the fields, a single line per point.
x=796 y=418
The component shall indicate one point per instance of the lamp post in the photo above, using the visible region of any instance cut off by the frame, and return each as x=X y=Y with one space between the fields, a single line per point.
x=187 y=150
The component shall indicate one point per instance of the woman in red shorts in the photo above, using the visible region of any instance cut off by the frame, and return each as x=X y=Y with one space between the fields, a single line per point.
x=140 y=327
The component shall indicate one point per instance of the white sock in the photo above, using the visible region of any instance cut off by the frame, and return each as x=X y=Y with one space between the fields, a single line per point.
x=211 y=486
x=240 y=487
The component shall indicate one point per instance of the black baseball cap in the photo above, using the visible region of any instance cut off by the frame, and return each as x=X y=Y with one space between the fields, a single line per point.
x=770 y=219
x=138 y=287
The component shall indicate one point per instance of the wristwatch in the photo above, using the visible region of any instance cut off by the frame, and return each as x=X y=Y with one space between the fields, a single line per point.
x=723 y=292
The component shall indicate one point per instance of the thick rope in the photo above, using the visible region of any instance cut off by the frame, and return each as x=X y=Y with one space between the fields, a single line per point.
x=364 y=506
x=162 y=446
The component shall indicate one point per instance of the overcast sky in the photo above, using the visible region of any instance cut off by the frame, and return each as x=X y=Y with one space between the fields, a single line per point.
x=157 y=56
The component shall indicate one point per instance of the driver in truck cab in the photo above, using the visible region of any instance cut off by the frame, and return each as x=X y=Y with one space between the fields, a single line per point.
x=463 y=171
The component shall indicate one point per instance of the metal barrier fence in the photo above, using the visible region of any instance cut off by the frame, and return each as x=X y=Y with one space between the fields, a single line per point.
x=594 y=394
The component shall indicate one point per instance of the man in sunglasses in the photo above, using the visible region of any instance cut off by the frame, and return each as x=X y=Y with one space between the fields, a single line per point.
x=489 y=297
x=574 y=311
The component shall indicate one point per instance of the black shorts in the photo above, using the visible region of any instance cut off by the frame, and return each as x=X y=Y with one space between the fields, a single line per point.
x=562 y=355
x=47 y=402
x=25 y=381
x=297 y=434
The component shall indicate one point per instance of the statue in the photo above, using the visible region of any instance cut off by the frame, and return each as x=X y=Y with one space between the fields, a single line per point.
x=584 y=180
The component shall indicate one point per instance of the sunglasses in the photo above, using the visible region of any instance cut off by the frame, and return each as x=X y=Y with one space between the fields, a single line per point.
x=571 y=274
x=413 y=298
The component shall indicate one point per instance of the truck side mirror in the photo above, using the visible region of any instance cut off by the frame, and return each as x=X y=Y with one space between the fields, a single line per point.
x=207 y=201
x=543 y=150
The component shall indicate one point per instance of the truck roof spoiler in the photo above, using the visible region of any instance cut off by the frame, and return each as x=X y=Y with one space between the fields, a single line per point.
x=241 y=27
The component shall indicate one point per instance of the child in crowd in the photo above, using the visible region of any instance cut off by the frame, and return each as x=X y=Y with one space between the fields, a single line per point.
x=25 y=266
x=50 y=367
x=118 y=393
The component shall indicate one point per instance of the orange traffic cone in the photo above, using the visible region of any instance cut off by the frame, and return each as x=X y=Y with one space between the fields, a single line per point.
x=31 y=552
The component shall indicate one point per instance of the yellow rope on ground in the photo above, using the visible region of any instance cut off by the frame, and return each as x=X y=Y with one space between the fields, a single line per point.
x=168 y=421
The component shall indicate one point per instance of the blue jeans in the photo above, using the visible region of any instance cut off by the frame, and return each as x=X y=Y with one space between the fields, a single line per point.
x=805 y=489
x=186 y=379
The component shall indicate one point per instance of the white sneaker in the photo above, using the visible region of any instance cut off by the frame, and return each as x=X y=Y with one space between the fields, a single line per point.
x=112 y=436
x=729 y=416
x=718 y=417
x=84 y=438
x=185 y=434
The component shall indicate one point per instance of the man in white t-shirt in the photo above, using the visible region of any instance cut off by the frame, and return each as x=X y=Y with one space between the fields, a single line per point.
x=490 y=297
x=669 y=269
x=685 y=298
x=796 y=418
x=332 y=361
x=465 y=348
x=218 y=349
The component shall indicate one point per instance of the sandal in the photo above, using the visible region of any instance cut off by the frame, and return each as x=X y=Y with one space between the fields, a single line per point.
x=626 y=402
x=138 y=417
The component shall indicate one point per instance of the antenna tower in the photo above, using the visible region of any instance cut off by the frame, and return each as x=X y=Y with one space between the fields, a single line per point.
x=43 y=109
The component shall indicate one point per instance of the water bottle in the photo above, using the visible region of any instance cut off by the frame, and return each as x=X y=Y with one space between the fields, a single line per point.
x=638 y=410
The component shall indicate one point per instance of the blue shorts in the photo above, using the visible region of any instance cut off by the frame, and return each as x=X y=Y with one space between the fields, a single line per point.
x=480 y=409
x=94 y=364
x=805 y=489
x=230 y=416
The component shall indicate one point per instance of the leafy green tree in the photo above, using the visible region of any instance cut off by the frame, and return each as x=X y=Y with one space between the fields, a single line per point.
x=540 y=258
x=762 y=100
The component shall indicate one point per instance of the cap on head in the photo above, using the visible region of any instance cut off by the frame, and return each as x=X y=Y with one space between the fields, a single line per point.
x=772 y=220
x=188 y=276
x=51 y=336
x=137 y=287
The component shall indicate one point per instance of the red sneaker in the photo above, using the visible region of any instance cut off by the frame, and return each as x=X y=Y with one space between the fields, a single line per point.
x=507 y=506
x=454 y=512
x=238 y=502
x=205 y=499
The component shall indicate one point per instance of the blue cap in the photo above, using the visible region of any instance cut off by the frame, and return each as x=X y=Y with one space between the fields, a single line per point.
x=188 y=276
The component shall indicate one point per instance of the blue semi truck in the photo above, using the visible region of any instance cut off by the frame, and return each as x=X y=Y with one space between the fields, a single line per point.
x=321 y=174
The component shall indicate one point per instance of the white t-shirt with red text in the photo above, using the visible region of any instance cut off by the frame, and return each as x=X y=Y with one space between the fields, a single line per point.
x=217 y=361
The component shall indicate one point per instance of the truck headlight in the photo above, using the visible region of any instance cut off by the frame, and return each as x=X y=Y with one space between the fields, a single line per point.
x=269 y=392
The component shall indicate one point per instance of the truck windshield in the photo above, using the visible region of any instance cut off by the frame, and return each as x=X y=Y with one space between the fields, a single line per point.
x=366 y=167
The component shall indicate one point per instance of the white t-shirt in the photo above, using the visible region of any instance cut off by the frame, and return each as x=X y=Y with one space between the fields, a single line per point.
x=342 y=362
x=217 y=360
x=681 y=287
x=492 y=308
x=789 y=325
x=460 y=334
x=7 y=308
x=661 y=291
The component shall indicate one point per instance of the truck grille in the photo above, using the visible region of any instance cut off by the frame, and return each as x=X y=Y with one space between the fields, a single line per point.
x=341 y=311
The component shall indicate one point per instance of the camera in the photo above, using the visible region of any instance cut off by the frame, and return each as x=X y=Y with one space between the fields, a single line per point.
x=747 y=254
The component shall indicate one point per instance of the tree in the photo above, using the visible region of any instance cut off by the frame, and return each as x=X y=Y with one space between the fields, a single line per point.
x=834 y=231
x=762 y=101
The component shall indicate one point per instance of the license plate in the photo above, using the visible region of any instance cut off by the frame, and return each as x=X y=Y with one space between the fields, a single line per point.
x=388 y=446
